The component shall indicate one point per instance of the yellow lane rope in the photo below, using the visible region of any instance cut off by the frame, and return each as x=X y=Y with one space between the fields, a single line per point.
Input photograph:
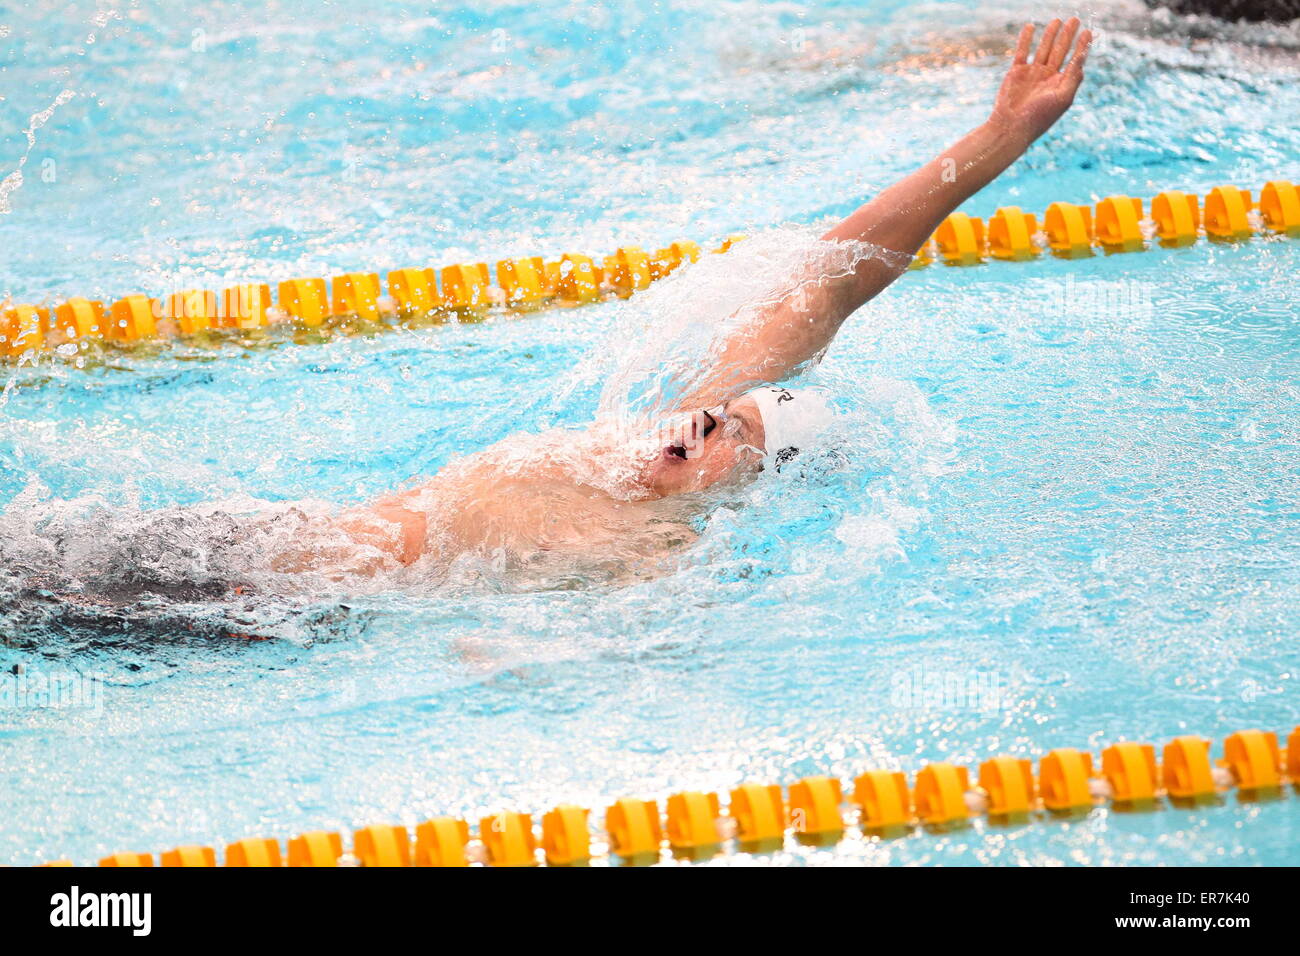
x=308 y=309
x=813 y=811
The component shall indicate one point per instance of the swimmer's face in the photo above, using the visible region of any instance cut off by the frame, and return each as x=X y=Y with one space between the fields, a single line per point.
x=708 y=446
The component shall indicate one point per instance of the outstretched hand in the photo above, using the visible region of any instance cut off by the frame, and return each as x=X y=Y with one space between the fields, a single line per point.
x=1035 y=93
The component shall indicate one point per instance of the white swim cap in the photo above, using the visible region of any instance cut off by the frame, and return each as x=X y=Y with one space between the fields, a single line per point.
x=792 y=418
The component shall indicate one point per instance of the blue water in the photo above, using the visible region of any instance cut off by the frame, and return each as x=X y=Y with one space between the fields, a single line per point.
x=1066 y=513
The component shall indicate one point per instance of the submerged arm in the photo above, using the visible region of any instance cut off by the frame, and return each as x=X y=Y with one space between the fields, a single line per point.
x=798 y=327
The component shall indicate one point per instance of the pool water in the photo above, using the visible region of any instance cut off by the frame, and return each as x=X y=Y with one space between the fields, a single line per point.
x=1061 y=508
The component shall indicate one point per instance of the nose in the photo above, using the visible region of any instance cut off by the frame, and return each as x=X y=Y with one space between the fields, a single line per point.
x=710 y=422
x=695 y=432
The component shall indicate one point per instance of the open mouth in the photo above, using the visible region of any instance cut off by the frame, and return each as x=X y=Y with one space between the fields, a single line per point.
x=675 y=451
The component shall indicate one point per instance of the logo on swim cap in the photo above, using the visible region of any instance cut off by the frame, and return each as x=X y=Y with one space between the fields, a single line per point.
x=792 y=419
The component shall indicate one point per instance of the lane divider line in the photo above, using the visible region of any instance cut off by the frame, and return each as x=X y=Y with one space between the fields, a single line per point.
x=761 y=817
x=307 y=309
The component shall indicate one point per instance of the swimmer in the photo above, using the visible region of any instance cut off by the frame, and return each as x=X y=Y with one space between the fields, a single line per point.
x=551 y=493
x=601 y=501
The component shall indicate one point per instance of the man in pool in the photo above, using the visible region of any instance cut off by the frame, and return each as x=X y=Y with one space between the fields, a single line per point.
x=602 y=502
x=586 y=493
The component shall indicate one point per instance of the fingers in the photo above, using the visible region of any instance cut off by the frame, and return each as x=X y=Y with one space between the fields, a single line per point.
x=1062 y=45
x=1022 y=45
x=1075 y=69
x=1045 y=45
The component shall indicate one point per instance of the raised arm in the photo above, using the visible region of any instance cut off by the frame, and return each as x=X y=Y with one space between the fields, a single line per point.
x=796 y=329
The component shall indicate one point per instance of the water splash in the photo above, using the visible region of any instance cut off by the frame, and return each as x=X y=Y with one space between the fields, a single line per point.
x=661 y=344
x=13 y=182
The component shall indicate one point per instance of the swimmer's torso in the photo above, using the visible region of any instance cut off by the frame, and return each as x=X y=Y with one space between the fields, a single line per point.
x=553 y=500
